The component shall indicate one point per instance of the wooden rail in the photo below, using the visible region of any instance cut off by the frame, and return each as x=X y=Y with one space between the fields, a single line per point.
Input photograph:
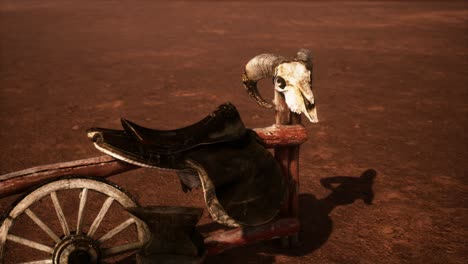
x=247 y=235
x=19 y=181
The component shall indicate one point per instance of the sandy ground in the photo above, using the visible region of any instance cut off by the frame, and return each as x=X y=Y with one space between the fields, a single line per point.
x=390 y=80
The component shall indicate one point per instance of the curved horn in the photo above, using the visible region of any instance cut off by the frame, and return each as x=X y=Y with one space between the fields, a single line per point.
x=260 y=67
x=305 y=56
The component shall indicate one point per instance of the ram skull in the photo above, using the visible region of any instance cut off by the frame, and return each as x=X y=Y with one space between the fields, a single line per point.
x=292 y=78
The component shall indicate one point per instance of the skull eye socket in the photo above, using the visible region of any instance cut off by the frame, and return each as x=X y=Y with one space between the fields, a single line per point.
x=280 y=82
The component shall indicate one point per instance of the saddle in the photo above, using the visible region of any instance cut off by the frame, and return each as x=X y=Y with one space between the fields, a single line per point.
x=165 y=149
x=241 y=181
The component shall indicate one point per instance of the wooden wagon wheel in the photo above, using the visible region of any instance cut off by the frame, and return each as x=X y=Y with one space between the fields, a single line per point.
x=72 y=239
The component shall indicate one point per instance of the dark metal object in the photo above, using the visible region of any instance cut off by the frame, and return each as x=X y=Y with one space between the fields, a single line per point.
x=174 y=238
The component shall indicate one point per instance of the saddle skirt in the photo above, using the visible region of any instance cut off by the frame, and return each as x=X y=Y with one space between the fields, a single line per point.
x=241 y=181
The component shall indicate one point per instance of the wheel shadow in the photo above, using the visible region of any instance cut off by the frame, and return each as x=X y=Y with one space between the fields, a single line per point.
x=316 y=224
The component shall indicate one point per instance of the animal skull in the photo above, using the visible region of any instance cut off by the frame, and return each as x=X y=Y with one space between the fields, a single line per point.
x=292 y=78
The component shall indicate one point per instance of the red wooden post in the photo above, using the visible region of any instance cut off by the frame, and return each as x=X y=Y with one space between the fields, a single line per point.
x=288 y=158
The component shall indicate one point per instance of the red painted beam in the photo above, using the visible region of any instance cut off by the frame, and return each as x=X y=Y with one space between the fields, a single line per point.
x=103 y=166
x=248 y=235
x=282 y=135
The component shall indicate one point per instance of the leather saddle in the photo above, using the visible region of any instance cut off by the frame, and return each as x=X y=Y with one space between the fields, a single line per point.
x=242 y=182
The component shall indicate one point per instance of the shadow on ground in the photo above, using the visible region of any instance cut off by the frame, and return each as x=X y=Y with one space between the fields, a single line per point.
x=316 y=222
x=315 y=219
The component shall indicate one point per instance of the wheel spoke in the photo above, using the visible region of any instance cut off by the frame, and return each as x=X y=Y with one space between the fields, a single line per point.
x=105 y=207
x=60 y=214
x=30 y=243
x=83 y=197
x=45 y=261
x=109 y=252
x=116 y=230
x=42 y=225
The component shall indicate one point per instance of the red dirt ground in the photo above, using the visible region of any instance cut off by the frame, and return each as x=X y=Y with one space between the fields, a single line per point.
x=390 y=80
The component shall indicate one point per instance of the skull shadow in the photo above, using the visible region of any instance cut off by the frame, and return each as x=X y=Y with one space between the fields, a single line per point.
x=316 y=224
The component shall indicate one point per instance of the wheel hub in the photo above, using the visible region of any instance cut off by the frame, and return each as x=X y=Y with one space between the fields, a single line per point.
x=76 y=249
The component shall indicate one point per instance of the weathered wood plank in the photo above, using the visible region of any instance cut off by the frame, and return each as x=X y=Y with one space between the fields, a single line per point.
x=103 y=166
x=282 y=135
x=248 y=235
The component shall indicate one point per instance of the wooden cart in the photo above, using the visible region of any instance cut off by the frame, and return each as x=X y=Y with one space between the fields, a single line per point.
x=285 y=137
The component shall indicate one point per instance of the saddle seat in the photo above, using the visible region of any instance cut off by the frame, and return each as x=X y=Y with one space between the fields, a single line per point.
x=222 y=125
x=148 y=147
